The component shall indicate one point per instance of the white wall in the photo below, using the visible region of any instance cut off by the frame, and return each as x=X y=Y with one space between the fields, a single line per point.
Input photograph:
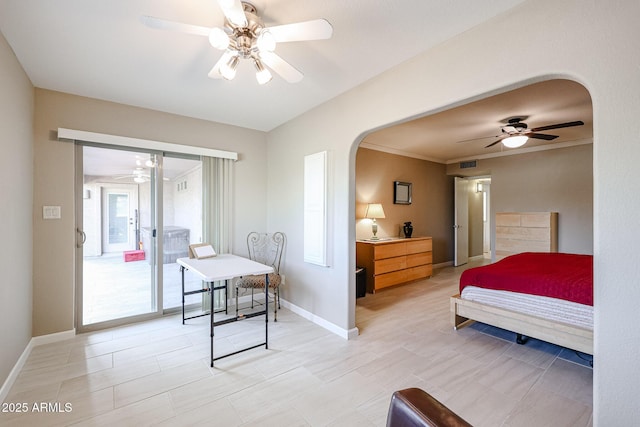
x=16 y=188
x=595 y=43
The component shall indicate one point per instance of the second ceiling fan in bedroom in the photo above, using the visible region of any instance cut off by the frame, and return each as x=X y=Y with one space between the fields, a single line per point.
x=244 y=36
x=515 y=133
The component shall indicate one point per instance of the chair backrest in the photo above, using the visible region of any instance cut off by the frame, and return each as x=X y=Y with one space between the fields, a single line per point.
x=266 y=248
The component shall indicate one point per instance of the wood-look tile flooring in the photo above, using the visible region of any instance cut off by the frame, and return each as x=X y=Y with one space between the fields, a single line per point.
x=113 y=289
x=157 y=372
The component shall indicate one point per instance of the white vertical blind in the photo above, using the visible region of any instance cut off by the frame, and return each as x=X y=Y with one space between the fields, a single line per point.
x=315 y=208
x=217 y=203
x=217 y=209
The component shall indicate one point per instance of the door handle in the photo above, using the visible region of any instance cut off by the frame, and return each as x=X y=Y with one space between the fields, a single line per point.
x=83 y=238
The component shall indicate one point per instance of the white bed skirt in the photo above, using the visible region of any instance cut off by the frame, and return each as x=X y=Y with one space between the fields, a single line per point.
x=554 y=309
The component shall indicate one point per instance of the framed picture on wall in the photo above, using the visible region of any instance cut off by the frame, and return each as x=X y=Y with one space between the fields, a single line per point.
x=401 y=193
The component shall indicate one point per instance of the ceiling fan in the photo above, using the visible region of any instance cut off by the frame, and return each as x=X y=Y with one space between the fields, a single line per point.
x=516 y=133
x=244 y=36
x=138 y=175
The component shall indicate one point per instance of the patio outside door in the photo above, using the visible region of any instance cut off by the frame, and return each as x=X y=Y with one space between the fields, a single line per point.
x=116 y=275
x=119 y=218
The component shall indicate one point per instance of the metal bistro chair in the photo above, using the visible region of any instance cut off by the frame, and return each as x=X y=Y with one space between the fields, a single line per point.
x=266 y=249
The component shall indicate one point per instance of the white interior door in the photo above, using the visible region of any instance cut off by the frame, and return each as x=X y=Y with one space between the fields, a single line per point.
x=461 y=221
x=120 y=204
x=486 y=218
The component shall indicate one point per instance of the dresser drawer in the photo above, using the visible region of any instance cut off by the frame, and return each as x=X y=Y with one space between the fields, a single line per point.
x=420 y=272
x=390 y=264
x=390 y=250
x=390 y=279
x=417 y=246
x=419 y=259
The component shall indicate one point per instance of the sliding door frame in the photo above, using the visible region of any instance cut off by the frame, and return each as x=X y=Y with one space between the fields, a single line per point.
x=156 y=247
x=81 y=138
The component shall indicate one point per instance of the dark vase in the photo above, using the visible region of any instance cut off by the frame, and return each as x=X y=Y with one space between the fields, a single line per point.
x=408 y=229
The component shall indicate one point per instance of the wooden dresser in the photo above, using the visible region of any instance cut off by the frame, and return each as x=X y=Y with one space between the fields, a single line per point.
x=394 y=261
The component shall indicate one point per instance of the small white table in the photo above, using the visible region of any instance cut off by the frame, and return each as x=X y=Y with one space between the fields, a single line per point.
x=225 y=267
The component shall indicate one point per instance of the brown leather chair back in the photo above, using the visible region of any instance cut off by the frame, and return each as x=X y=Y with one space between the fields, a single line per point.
x=414 y=407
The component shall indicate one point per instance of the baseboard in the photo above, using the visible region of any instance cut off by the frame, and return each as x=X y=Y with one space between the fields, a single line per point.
x=34 y=342
x=347 y=334
x=13 y=375
x=443 y=264
x=259 y=297
x=450 y=263
x=58 y=336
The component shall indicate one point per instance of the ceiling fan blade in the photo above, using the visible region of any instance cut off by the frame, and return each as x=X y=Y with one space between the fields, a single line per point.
x=541 y=136
x=234 y=11
x=317 y=29
x=559 y=125
x=163 y=24
x=282 y=67
x=493 y=143
x=477 y=139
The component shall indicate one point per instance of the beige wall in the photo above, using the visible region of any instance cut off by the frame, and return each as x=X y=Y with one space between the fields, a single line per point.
x=16 y=181
x=53 y=272
x=431 y=210
x=558 y=180
x=546 y=181
x=594 y=43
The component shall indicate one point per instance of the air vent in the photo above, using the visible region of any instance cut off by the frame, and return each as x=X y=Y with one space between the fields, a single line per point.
x=469 y=164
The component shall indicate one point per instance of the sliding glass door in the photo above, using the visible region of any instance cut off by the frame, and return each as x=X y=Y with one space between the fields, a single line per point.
x=116 y=271
x=137 y=212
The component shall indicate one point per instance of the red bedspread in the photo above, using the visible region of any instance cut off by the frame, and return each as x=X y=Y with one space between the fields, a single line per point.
x=557 y=275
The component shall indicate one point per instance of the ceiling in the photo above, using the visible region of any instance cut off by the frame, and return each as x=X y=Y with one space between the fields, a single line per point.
x=438 y=137
x=100 y=49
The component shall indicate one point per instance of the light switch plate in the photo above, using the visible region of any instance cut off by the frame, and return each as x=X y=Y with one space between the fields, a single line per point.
x=51 y=212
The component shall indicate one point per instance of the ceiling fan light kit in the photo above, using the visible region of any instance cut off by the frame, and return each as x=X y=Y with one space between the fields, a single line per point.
x=515 y=141
x=262 y=74
x=229 y=68
x=244 y=36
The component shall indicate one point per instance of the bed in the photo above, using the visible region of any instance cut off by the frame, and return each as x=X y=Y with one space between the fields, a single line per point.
x=544 y=295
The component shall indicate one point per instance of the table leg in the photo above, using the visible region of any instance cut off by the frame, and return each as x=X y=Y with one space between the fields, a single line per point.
x=266 y=312
x=212 y=311
x=182 y=274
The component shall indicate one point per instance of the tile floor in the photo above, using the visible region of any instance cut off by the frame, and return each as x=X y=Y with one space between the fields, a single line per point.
x=114 y=288
x=157 y=372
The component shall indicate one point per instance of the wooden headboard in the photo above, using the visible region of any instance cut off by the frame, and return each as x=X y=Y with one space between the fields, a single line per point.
x=518 y=232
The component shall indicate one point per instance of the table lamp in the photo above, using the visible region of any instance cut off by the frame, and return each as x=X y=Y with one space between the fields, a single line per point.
x=374 y=211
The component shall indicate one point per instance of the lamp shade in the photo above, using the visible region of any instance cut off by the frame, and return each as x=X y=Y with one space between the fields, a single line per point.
x=374 y=210
x=515 y=141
